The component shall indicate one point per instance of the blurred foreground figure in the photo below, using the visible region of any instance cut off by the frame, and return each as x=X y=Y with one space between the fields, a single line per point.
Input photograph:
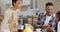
x=10 y=21
x=58 y=21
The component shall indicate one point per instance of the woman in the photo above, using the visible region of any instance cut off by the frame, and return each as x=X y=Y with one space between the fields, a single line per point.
x=11 y=17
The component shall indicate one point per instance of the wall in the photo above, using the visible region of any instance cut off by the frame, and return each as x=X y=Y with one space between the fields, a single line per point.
x=57 y=5
x=4 y=5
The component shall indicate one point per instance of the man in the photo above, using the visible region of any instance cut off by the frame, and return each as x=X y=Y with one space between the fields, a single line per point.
x=11 y=17
x=58 y=21
x=46 y=20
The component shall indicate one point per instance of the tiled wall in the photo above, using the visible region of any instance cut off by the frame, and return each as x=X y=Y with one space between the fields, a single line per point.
x=43 y=2
x=57 y=6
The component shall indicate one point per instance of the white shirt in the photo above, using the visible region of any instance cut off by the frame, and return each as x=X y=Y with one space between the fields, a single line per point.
x=47 y=19
x=58 y=27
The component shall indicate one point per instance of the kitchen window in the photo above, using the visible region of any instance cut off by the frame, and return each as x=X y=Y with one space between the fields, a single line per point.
x=34 y=4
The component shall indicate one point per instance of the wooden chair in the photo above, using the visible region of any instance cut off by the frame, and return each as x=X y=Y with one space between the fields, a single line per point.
x=32 y=20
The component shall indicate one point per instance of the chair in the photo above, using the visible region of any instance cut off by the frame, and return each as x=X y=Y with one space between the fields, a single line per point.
x=32 y=20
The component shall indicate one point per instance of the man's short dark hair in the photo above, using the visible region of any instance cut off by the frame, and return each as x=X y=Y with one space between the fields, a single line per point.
x=49 y=4
x=58 y=13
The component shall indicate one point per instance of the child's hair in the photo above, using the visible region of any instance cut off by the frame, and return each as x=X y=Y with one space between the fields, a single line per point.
x=58 y=13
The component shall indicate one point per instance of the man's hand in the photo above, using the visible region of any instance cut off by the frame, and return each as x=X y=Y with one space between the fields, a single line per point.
x=47 y=27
